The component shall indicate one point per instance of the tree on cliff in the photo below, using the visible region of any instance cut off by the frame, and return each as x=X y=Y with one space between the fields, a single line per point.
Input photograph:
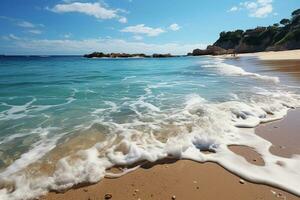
x=285 y=22
x=295 y=13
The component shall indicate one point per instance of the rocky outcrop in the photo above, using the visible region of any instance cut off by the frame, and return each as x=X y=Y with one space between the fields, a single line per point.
x=162 y=55
x=125 y=55
x=210 y=50
x=114 y=55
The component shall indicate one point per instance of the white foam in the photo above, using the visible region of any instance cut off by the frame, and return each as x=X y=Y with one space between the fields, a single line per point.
x=215 y=126
x=37 y=151
x=232 y=70
x=128 y=77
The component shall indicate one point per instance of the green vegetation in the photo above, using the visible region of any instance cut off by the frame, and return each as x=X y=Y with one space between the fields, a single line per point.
x=285 y=22
x=279 y=36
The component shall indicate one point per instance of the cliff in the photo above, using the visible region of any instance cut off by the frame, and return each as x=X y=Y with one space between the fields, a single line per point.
x=284 y=35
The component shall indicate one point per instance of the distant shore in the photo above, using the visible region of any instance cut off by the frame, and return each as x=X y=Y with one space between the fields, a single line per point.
x=126 y=55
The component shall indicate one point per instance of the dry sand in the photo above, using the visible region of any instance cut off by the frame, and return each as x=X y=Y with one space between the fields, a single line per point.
x=276 y=55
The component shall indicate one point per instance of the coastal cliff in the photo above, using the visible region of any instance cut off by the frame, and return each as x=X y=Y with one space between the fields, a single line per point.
x=284 y=35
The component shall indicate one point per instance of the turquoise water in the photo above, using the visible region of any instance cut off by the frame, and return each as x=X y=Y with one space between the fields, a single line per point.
x=46 y=100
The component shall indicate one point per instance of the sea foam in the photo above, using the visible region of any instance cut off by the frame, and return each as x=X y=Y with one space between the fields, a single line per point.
x=232 y=70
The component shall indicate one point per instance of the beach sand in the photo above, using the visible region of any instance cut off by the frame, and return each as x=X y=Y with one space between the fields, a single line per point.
x=277 y=55
x=188 y=180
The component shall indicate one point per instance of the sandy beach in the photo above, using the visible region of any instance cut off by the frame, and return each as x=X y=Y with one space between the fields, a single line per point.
x=276 y=55
x=185 y=179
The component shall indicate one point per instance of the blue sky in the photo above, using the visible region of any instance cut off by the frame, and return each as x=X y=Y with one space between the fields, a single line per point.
x=133 y=26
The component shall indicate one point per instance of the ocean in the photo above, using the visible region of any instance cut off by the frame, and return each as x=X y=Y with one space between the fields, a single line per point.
x=65 y=120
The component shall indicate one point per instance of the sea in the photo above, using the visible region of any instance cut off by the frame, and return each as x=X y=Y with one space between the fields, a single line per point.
x=66 y=120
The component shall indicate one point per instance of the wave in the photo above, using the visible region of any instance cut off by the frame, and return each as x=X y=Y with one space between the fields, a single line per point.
x=199 y=126
x=232 y=70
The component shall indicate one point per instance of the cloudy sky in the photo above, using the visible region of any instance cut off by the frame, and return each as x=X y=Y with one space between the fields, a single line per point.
x=132 y=26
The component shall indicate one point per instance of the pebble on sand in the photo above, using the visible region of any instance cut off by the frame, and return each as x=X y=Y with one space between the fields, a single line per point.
x=107 y=196
x=173 y=197
x=242 y=181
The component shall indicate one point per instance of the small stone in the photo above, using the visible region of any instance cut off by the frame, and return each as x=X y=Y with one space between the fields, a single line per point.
x=107 y=196
x=273 y=192
x=254 y=160
x=136 y=190
x=195 y=182
x=242 y=181
x=280 y=163
x=279 y=194
x=173 y=197
x=85 y=190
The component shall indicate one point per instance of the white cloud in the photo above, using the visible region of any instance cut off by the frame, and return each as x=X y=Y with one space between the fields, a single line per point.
x=66 y=46
x=21 y=23
x=92 y=9
x=35 y=31
x=137 y=37
x=123 y=20
x=26 y=24
x=249 y=5
x=67 y=35
x=233 y=9
x=142 y=29
x=174 y=27
x=10 y=37
x=257 y=8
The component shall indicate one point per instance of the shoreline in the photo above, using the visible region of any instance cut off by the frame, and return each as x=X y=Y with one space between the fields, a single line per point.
x=186 y=179
x=282 y=56
x=276 y=55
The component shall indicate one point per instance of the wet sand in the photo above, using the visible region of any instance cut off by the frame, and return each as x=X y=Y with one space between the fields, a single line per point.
x=186 y=179
x=182 y=179
x=283 y=134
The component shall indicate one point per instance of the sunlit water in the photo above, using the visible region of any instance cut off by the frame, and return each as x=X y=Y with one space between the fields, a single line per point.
x=47 y=101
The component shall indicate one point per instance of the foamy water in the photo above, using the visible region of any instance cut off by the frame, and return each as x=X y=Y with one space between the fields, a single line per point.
x=66 y=120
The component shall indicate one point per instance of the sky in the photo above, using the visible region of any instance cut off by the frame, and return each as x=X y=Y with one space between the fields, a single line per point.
x=75 y=27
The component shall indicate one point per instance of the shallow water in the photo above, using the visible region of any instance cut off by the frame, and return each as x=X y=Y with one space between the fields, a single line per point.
x=127 y=110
